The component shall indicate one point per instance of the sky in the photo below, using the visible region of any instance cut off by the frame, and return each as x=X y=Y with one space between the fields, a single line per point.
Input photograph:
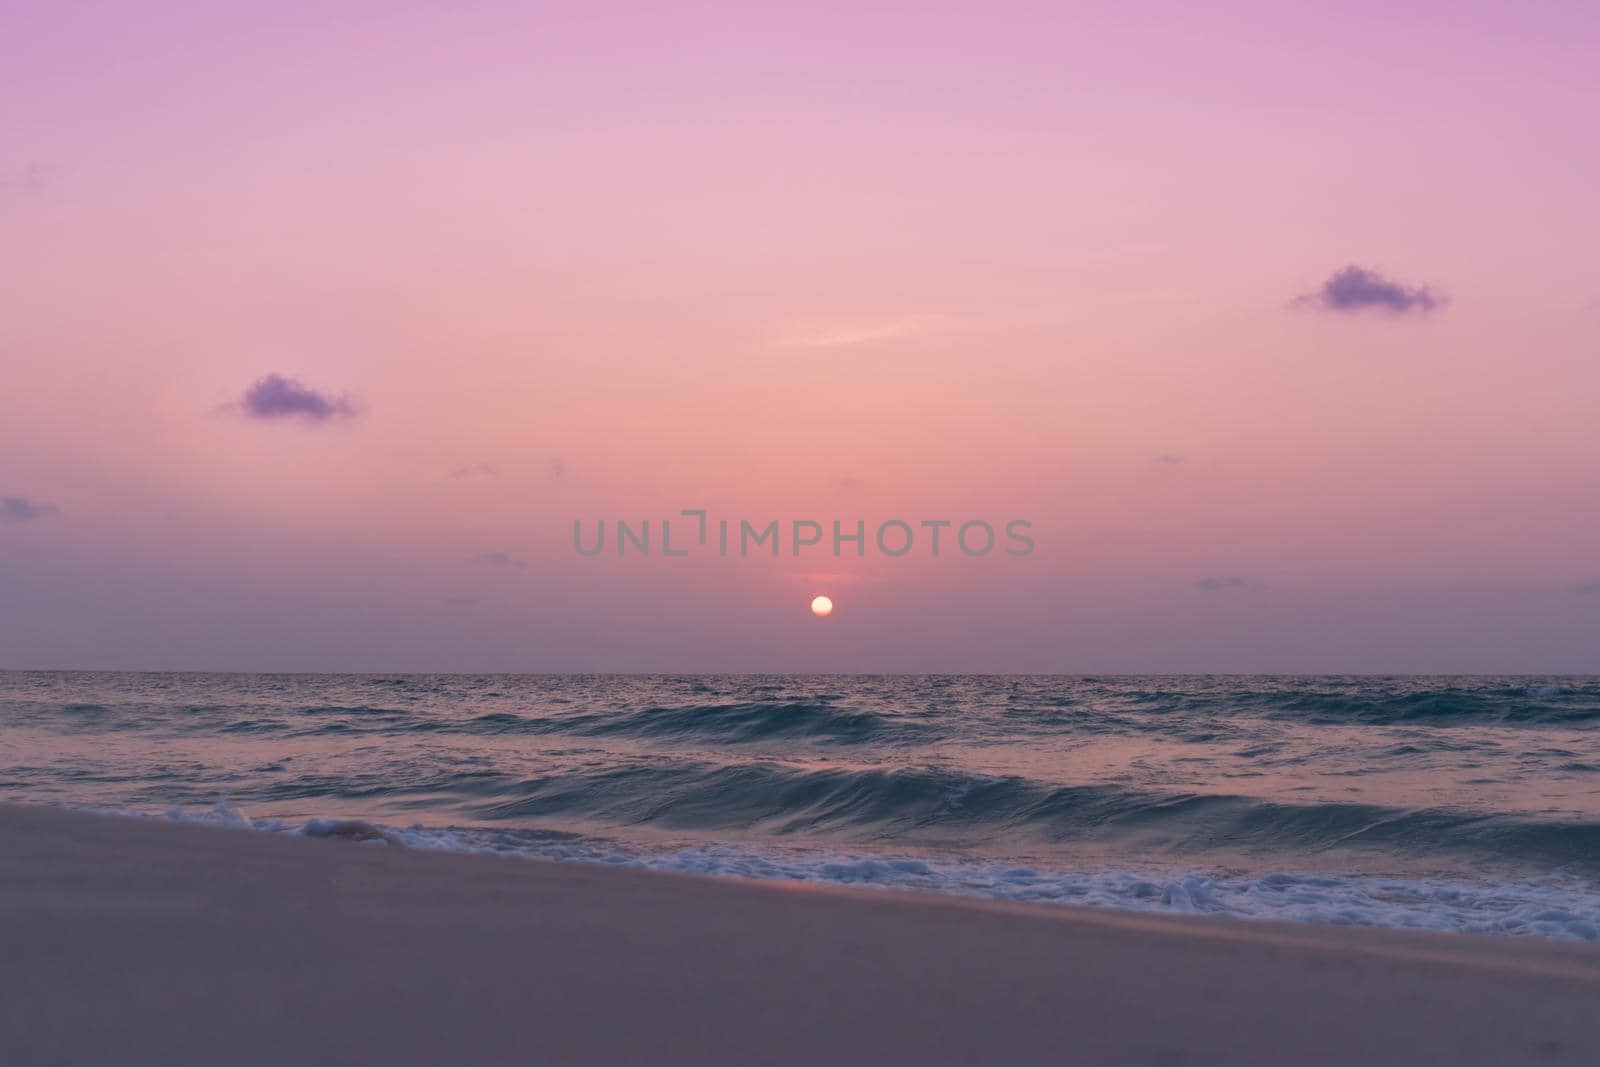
x=323 y=324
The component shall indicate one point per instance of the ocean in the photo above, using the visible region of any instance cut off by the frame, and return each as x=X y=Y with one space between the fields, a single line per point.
x=1451 y=803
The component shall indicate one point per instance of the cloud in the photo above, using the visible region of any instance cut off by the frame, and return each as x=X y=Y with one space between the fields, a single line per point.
x=1588 y=588
x=34 y=178
x=1213 y=584
x=846 y=484
x=1355 y=288
x=277 y=397
x=837 y=334
x=496 y=559
x=475 y=472
x=21 y=509
x=558 y=469
x=1167 y=459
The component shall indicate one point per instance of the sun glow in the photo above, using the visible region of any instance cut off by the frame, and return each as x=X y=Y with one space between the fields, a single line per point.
x=821 y=607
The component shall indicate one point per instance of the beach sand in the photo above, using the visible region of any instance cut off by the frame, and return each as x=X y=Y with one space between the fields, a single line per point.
x=127 y=941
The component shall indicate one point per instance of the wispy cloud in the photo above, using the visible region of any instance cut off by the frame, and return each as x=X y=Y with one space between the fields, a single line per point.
x=496 y=559
x=1353 y=289
x=1588 y=588
x=821 y=581
x=846 y=484
x=277 y=397
x=1167 y=459
x=558 y=469
x=1211 y=585
x=837 y=334
x=475 y=472
x=21 y=509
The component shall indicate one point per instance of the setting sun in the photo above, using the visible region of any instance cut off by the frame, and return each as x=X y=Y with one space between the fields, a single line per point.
x=1195 y=400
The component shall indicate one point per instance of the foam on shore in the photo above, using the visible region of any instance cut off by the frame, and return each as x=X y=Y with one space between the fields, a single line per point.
x=1552 y=908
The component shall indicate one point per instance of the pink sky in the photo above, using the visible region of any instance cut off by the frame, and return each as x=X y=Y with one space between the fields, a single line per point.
x=928 y=261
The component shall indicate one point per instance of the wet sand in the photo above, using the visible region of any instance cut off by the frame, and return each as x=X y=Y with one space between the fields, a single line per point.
x=126 y=941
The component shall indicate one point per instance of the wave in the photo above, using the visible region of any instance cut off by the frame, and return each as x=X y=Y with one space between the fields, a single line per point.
x=739 y=722
x=772 y=800
x=1374 y=701
x=1545 y=908
x=733 y=711
x=776 y=799
x=1199 y=712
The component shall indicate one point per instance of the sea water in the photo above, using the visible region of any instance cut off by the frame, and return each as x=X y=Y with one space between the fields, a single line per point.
x=1461 y=803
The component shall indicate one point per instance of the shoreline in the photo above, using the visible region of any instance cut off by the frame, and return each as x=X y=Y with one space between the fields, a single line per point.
x=1560 y=908
x=145 y=941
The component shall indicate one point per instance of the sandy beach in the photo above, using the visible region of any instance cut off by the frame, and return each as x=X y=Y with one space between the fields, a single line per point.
x=146 y=942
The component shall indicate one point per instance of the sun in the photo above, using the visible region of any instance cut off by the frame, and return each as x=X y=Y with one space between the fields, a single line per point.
x=821 y=607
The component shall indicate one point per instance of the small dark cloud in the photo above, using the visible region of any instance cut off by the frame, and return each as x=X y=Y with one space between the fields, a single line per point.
x=1167 y=459
x=1588 y=588
x=474 y=472
x=1358 y=289
x=1213 y=584
x=558 y=469
x=21 y=509
x=33 y=178
x=277 y=397
x=847 y=484
x=496 y=559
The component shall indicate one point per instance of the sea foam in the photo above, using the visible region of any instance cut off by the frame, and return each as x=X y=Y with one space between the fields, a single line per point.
x=1552 y=907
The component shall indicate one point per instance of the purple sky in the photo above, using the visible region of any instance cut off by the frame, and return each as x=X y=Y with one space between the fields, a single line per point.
x=1279 y=322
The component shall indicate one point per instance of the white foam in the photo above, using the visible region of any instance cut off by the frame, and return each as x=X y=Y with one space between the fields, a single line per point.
x=1550 y=907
